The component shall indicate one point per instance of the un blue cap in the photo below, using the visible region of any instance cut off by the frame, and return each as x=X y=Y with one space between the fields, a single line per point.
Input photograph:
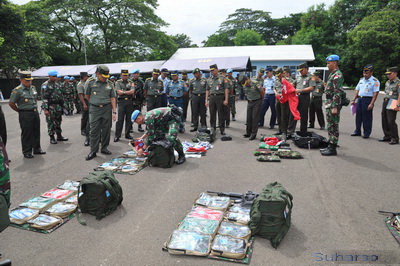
x=112 y=77
x=333 y=57
x=135 y=115
x=58 y=76
x=135 y=71
x=230 y=70
x=53 y=73
x=71 y=78
x=66 y=77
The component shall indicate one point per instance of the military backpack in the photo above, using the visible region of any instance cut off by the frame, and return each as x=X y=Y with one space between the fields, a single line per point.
x=4 y=188
x=101 y=194
x=161 y=154
x=205 y=134
x=270 y=214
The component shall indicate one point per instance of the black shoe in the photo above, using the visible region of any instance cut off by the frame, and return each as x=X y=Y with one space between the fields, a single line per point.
x=355 y=134
x=310 y=126
x=53 y=140
x=106 y=152
x=365 y=137
x=181 y=159
x=246 y=136
x=278 y=133
x=322 y=128
x=181 y=131
x=86 y=143
x=252 y=137
x=384 y=140
x=61 y=138
x=193 y=129
x=393 y=142
x=28 y=155
x=222 y=132
x=140 y=129
x=116 y=139
x=90 y=156
x=260 y=125
x=329 y=151
x=128 y=137
x=233 y=118
x=39 y=152
x=83 y=133
x=271 y=127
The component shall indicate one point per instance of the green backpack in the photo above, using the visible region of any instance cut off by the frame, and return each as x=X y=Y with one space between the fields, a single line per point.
x=4 y=188
x=101 y=194
x=161 y=154
x=205 y=134
x=270 y=214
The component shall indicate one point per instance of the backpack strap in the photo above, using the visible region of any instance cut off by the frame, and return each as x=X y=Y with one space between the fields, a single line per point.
x=289 y=203
x=82 y=222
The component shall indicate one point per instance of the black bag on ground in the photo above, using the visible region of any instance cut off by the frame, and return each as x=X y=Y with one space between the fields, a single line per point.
x=101 y=194
x=161 y=154
x=270 y=214
x=309 y=140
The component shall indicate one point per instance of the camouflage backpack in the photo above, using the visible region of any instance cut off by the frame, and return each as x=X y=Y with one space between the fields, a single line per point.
x=4 y=188
x=205 y=134
x=270 y=214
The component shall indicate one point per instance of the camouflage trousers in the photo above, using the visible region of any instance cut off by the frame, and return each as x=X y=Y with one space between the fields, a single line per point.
x=69 y=103
x=167 y=131
x=333 y=126
x=54 y=119
x=232 y=104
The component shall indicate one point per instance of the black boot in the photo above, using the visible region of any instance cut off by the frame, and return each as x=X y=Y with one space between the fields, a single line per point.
x=53 y=140
x=181 y=158
x=330 y=150
x=61 y=138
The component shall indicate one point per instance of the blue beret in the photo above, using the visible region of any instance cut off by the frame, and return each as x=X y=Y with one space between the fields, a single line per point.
x=135 y=115
x=174 y=72
x=66 y=77
x=53 y=73
x=58 y=76
x=71 y=78
x=230 y=70
x=332 y=57
x=135 y=71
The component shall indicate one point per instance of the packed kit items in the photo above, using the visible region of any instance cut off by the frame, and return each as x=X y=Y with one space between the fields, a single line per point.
x=216 y=228
x=273 y=148
x=128 y=163
x=196 y=149
x=47 y=212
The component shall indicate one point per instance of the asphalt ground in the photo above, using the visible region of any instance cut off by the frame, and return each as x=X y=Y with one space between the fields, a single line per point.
x=336 y=199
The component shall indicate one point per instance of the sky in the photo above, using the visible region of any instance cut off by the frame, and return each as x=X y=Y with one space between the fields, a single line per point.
x=200 y=19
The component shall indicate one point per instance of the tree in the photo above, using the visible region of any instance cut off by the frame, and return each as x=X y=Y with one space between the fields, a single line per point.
x=376 y=40
x=248 y=37
x=183 y=41
x=218 y=39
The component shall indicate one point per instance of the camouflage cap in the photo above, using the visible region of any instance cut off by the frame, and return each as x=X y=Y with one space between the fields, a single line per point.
x=392 y=69
x=302 y=65
x=103 y=70
x=278 y=71
x=213 y=66
x=26 y=75
x=124 y=72
x=316 y=73
x=262 y=71
x=196 y=70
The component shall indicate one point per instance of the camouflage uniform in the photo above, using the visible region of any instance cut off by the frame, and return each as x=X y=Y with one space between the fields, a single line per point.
x=77 y=102
x=233 y=94
x=186 y=100
x=69 y=95
x=333 y=91
x=85 y=127
x=53 y=101
x=138 y=96
x=159 y=122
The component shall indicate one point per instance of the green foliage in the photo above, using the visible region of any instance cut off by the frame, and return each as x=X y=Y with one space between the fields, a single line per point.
x=183 y=41
x=248 y=37
x=218 y=39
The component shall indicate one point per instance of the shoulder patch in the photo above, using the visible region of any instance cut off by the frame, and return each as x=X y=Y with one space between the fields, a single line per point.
x=148 y=79
x=375 y=79
x=18 y=87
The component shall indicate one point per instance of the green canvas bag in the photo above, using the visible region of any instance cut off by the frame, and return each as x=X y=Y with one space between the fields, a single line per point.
x=101 y=194
x=270 y=214
x=205 y=134
x=5 y=188
x=161 y=154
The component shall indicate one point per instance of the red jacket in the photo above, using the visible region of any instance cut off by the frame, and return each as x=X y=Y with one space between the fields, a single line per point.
x=289 y=94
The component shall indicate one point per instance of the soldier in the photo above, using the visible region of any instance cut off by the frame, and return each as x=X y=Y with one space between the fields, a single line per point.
x=186 y=96
x=304 y=85
x=112 y=79
x=58 y=80
x=234 y=93
x=164 y=78
x=333 y=92
x=282 y=109
x=217 y=94
x=69 y=95
x=226 y=108
x=392 y=91
x=77 y=102
x=159 y=122
x=254 y=93
x=138 y=96
x=259 y=78
x=100 y=94
x=176 y=89
x=85 y=126
x=125 y=90
x=316 y=102
x=53 y=102
x=268 y=99
x=287 y=75
x=367 y=91
x=197 y=88
x=153 y=88
x=23 y=100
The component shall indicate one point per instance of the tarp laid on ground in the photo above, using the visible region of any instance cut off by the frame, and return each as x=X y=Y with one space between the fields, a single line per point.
x=115 y=68
x=241 y=63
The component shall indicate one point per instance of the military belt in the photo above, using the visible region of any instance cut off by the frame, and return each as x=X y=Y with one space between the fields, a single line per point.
x=198 y=94
x=154 y=96
x=250 y=101
x=216 y=94
x=125 y=99
x=175 y=98
x=101 y=105
x=386 y=99
x=316 y=96
x=33 y=110
x=270 y=94
x=365 y=96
